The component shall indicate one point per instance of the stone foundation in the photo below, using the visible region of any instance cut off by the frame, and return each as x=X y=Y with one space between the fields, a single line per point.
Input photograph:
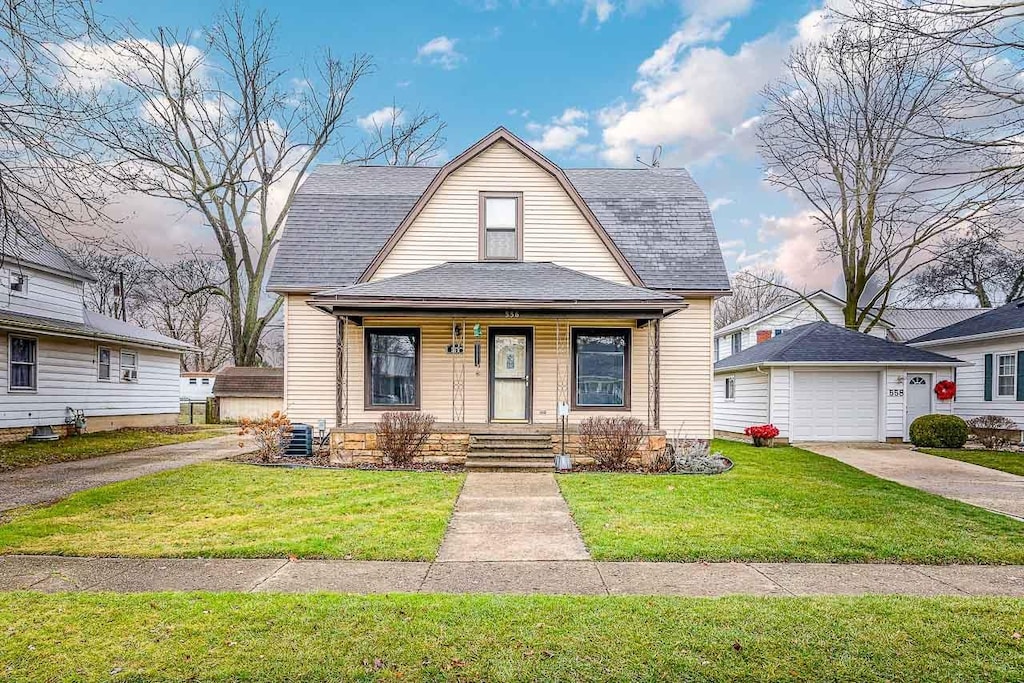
x=97 y=423
x=450 y=442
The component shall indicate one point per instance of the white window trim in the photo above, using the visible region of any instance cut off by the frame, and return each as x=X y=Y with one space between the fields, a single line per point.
x=121 y=366
x=110 y=364
x=725 y=390
x=732 y=344
x=1012 y=396
x=10 y=365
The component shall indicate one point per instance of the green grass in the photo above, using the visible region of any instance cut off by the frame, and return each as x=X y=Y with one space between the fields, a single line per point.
x=231 y=637
x=997 y=460
x=782 y=504
x=91 y=445
x=237 y=510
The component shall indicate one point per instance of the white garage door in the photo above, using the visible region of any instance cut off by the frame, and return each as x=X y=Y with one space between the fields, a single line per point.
x=835 y=406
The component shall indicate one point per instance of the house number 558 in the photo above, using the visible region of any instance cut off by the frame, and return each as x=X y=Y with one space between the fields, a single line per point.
x=511 y=314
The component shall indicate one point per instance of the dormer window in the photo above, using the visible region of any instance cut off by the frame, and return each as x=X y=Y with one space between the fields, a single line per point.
x=501 y=226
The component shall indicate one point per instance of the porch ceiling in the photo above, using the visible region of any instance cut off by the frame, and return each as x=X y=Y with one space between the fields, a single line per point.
x=473 y=287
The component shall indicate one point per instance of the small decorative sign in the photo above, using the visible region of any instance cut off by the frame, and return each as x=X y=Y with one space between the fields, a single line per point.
x=455 y=349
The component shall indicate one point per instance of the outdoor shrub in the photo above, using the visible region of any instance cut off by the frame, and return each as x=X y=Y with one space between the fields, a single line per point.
x=612 y=441
x=400 y=435
x=270 y=433
x=938 y=431
x=762 y=435
x=992 y=431
x=690 y=456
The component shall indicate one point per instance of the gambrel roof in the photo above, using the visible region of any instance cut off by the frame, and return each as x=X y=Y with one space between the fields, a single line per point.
x=654 y=221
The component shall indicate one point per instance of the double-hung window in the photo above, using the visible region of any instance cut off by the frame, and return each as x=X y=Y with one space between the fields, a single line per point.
x=1006 y=375
x=392 y=368
x=501 y=226
x=737 y=342
x=730 y=388
x=600 y=368
x=103 y=365
x=23 y=366
x=129 y=366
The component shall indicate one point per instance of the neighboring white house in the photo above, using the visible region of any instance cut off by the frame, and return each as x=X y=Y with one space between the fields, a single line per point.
x=993 y=344
x=56 y=358
x=249 y=392
x=823 y=382
x=898 y=324
x=197 y=386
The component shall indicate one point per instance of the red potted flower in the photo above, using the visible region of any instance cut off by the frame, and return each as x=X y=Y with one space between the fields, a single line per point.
x=763 y=435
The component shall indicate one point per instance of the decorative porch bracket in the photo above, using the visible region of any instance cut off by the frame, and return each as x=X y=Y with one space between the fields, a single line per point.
x=341 y=374
x=458 y=354
x=654 y=375
x=561 y=363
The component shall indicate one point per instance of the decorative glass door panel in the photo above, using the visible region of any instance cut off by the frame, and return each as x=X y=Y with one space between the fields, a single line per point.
x=510 y=372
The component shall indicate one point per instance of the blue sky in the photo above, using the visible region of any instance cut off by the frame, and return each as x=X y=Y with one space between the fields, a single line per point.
x=589 y=82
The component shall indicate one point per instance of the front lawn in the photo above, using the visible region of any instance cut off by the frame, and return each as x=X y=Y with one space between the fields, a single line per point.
x=231 y=637
x=996 y=460
x=237 y=510
x=93 y=444
x=782 y=504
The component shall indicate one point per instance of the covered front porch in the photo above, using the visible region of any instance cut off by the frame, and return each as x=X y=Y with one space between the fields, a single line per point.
x=489 y=364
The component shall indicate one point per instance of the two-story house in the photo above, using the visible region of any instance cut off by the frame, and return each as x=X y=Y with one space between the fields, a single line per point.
x=58 y=360
x=494 y=290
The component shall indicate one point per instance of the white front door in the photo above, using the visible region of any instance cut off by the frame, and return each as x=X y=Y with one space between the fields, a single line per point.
x=919 y=397
x=510 y=374
x=834 y=405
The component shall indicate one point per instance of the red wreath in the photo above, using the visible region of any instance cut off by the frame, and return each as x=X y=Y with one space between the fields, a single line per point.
x=945 y=390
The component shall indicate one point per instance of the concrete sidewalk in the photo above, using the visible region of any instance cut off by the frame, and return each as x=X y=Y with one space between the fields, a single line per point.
x=981 y=486
x=511 y=517
x=53 y=574
x=46 y=483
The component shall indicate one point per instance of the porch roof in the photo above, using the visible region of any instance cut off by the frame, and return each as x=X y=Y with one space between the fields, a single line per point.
x=497 y=285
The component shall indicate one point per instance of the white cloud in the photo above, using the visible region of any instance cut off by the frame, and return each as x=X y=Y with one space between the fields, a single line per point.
x=798 y=255
x=564 y=132
x=441 y=51
x=719 y=202
x=381 y=117
x=601 y=9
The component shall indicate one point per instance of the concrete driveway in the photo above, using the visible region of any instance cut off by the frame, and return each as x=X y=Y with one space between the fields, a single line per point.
x=992 y=489
x=46 y=483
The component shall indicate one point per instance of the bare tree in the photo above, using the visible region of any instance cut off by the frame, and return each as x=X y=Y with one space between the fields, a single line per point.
x=852 y=129
x=121 y=278
x=753 y=291
x=988 y=267
x=228 y=134
x=403 y=139
x=45 y=165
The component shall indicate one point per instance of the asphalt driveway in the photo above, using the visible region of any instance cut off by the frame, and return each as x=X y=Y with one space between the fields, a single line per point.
x=998 y=491
x=47 y=483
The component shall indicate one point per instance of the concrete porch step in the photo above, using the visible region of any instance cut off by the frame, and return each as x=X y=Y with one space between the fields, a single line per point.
x=512 y=455
x=509 y=465
x=533 y=451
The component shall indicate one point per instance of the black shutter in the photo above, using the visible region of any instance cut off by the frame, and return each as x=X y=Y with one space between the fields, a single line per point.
x=988 y=376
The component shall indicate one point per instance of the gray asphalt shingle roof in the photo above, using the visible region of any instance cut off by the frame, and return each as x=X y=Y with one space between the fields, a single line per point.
x=27 y=244
x=250 y=383
x=822 y=342
x=1003 y=319
x=95 y=326
x=342 y=215
x=527 y=282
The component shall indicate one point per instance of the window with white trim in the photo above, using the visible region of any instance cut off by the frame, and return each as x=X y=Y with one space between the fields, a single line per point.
x=206 y=381
x=103 y=364
x=1006 y=375
x=501 y=223
x=23 y=369
x=730 y=388
x=129 y=366
x=192 y=380
x=737 y=342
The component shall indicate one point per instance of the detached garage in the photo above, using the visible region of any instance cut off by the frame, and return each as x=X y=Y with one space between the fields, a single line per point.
x=822 y=382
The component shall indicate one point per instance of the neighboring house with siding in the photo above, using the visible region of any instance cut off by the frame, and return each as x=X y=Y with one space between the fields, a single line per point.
x=249 y=393
x=993 y=344
x=823 y=382
x=196 y=387
x=491 y=290
x=56 y=358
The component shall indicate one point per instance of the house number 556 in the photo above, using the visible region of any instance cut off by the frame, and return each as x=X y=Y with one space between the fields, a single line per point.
x=511 y=314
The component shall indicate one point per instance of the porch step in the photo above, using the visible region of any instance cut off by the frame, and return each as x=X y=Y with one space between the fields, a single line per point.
x=517 y=451
x=474 y=464
x=489 y=444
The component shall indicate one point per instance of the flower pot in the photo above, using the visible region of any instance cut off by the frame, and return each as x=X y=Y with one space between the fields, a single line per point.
x=763 y=441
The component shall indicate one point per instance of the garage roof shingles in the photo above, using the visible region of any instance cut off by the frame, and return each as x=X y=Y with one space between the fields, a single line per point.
x=250 y=382
x=1006 y=318
x=343 y=215
x=825 y=343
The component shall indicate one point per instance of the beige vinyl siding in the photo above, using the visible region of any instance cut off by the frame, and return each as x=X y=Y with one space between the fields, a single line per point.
x=234 y=408
x=686 y=370
x=970 y=380
x=309 y=362
x=67 y=376
x=553 y=228
x=47 y=295
x=750 y=405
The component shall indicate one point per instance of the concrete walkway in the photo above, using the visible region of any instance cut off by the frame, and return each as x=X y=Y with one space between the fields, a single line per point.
x=992 y=489
x=511 y=517
x=52 y=574
x=46 y=483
